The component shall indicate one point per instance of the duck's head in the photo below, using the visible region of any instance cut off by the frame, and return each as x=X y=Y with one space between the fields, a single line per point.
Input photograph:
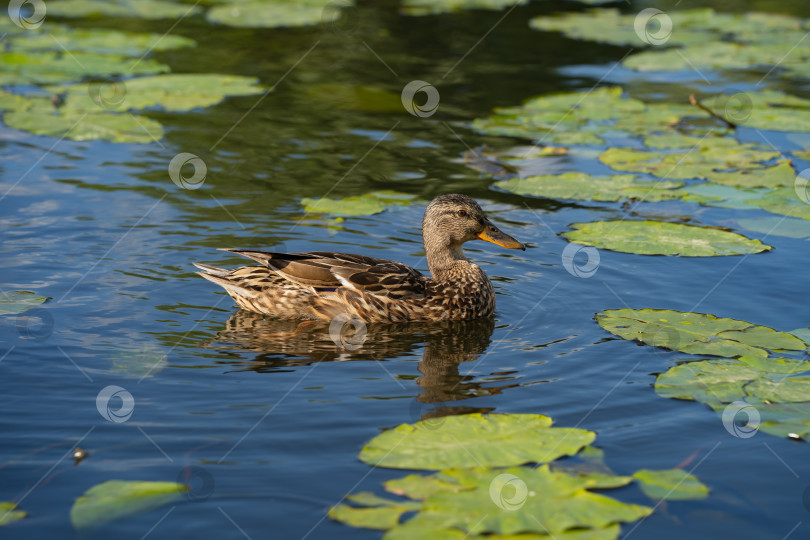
x=452 y=219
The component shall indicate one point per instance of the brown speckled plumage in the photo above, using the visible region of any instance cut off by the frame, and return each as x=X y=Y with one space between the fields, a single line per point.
x=322 y=285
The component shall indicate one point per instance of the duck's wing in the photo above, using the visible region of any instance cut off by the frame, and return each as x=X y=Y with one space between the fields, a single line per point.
x=326 y=271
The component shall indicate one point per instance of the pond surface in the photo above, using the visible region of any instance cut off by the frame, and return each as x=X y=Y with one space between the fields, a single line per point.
x=266 y=422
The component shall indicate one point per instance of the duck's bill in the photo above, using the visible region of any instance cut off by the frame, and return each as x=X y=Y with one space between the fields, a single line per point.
x=496 y=236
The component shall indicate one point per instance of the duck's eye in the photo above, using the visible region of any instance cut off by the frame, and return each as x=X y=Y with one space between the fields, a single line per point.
x=462 y=213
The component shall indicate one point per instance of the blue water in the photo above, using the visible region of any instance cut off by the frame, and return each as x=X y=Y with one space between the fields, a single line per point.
x=265 y=424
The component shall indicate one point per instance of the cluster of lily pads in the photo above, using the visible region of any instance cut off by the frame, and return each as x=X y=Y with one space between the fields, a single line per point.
x=752 y=367
x=91 y=83
x=501 y=476
x=694 y=39
x=680 y=143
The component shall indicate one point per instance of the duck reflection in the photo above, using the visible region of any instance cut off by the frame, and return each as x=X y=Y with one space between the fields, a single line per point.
x=282 y=345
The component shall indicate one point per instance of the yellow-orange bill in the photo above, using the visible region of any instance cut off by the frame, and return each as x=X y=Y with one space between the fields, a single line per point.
x=493 y=234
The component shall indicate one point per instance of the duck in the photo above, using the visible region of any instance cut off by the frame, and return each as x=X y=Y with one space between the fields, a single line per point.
x=324 y=285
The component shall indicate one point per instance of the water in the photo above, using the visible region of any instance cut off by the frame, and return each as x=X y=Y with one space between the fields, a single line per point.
x=266 y=423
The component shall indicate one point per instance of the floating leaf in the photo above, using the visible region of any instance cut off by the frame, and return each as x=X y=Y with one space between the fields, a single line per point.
x=375 y=513
x=784 y=201
x=696 y=333
x=96 y=40
x=367 y=204
x=568 y=118
x=142 y=9
x=672 y=485
x=57 y=67
x=172 y=92
x=584 y=187
x=661 y=238
x=434 y=7
x=85 y=126
x=777 y=388
x=10 y=514
x=418 y=486
x=730 y=164
x=521 y=500
x=711 y=194
x=474 y=440
x=774 y=226
x=275 y=13
x=16 y=302
x=115 y=499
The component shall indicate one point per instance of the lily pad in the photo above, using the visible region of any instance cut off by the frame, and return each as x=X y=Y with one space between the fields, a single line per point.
x=520 y=500
x=275 y=13
x=10 y=514
x=375 y=513
x=672 y=485
x=584 y=187
x=774 y=226
x=661 y=238
x=737 y=164
x=56 y=67
x=86 y=126
x=696 y=333
x=568 y=118
x=418 y=486
x=172 y=92
x=142 y=9
x=115 y=499
x=16 y=302
x=710 y=194
x=434 y=7
x=777 y=388
x=784 y=201
x=475 y=440
x=96 y=40
x=357 y=205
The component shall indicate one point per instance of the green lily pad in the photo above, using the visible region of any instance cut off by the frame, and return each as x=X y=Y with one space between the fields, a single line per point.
x=56 y=67
x=275 y=13
x=96 y=40
x=85 y=126
x=710 y=194
x=777 y=388
x=584 y=187
x=696 y=333
x=434 y=7
x=420 y=487
x=16 y=302
x=475 y=440
x=784 y=201
x=803 y=334
x=672 y=485
x=115 y=499
x=142 y=9
x=357 y=205
x=10 y=514
x=172 y=92
x=568 y=118
x=661 y=238
x=521 y=500
x=725 y=163
x=774 y=226
x=375 y=513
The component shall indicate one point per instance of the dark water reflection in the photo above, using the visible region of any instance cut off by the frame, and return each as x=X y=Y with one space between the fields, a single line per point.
x=283 y=345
